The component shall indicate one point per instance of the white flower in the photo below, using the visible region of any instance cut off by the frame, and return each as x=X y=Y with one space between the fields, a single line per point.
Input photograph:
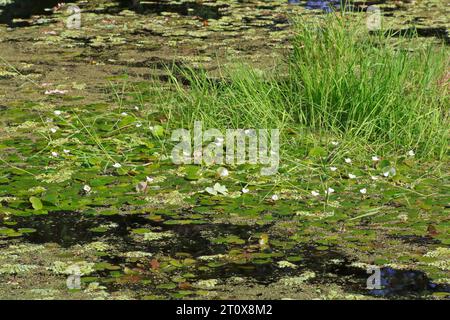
x=55 y=154
x=245 y=190
x=334 y=143
x=363 y=191
x=151 y=128
x=247 y=131
x=386 y=174
x=374 y=178
x=411 y=153
x=333 y=169
x=315 y=193
x=375 y=158
x=149 y=179
x=136 y=108
x=329 y=191
x=57 y=112
x=138 y=125
x=351 y=176
x=56 y=91
x=275 y=197
x=66 y=151
x=87 y=188
x=223 y=172
x=348 y=160
x=53 y=130
x=117 y=165
x=124 y=114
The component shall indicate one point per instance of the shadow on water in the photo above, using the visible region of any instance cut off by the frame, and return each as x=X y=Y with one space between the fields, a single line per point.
x=191 y=8
x=24 y=9
x=406 y=283
x=330 y=266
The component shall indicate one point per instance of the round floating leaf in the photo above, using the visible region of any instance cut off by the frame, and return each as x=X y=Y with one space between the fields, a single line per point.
x=36 y=203
x=317 y=152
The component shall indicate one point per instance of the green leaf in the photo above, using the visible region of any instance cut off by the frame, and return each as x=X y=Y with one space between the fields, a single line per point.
x=158 y=131
x=192 y=173
x=317 y=152
x=36 y=203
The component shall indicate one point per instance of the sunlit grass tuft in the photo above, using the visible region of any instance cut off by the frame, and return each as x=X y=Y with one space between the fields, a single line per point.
x=340 y=81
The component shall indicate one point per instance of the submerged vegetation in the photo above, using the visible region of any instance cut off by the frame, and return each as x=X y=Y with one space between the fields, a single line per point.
x=88 y=188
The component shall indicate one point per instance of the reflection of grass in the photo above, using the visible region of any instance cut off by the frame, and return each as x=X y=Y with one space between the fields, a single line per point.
x=341 y=81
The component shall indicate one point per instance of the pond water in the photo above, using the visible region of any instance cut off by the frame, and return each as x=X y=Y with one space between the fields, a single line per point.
x=158 y=245
x=194 y=240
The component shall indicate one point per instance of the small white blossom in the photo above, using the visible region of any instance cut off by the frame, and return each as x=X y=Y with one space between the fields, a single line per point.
x=53 y=130
x=223 y=172
x=87 y=188
x=363 y=191
x=375 y=158
x=411 y=153
x=66 y=151
x=329 y=191
x=374 y=178
x=315 y=193
x=149 y=179
x=57 y=112
x=138 y=125
x=386 y=174
x=117 y=165
x=245 y=190
x=348 y=160
x=333 y=169
x=334 y=143
x=351 y=176
x=124 y=114
x=55 y=154
x=56 y=91
x=275 y=197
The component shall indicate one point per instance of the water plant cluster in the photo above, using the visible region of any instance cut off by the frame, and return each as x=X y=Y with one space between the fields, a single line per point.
x=89 y=187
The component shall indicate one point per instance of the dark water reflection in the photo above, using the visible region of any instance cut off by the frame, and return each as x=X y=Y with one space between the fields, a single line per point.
x=330 y=266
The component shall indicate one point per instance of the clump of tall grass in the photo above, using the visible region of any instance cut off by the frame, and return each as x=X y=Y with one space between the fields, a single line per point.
x=339 y=80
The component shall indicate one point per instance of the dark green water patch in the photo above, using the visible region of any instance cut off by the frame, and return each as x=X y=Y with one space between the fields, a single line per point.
x=24 y=9
x=193 y=8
